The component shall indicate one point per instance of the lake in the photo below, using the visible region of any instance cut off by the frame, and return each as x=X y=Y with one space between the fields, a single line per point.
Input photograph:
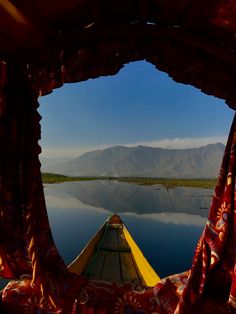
x=165 y=223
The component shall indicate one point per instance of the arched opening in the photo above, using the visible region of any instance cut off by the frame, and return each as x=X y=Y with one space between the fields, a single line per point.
x=140 y=106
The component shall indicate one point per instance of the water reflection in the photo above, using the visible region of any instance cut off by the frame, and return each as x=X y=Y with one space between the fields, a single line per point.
x=165 y=224
x=126 y=197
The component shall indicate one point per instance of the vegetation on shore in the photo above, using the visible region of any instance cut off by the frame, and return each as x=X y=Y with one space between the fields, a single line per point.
x=166 y=182
x=59 y=178
x=172 y=183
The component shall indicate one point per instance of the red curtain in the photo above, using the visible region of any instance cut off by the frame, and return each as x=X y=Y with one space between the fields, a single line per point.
x=214 y=265
x=26 y=243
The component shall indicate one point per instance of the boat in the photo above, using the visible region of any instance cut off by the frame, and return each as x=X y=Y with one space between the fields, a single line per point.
x=113 y=255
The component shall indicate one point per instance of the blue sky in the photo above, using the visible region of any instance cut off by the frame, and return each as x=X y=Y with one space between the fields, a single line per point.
x=138 y=106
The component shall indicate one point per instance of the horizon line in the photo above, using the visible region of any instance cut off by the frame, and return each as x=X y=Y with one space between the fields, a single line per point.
x=166 y=143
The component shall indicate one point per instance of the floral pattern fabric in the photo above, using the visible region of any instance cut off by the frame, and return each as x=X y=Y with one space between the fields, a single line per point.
x=213 y=269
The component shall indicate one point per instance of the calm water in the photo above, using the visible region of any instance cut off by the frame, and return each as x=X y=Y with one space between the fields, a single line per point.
x=166 y=224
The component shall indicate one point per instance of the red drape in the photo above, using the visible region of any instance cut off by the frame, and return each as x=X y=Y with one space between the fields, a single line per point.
x=213 y=269
x=29 y=256
x=26 y=243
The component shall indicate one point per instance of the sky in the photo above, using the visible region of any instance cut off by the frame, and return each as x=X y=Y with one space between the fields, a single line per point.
x=138 y=106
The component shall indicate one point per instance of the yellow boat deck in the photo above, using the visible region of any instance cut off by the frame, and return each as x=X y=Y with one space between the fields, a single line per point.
x=113 y=255
x=112 y=259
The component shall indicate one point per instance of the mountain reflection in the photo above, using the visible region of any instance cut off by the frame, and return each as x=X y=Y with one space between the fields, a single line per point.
x=132 y=198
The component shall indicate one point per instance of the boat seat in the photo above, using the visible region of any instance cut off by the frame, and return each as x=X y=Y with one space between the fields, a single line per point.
x=115 y=249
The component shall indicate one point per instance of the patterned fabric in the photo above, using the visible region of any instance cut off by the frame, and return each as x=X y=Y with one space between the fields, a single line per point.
x=214 y=261
x=28 y=254
x=26 y=244
x=92 y=297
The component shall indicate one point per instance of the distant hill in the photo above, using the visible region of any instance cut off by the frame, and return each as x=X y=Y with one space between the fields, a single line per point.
x=202 y=162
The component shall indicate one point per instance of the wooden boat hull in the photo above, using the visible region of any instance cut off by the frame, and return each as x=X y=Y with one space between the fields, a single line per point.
x=113 y=255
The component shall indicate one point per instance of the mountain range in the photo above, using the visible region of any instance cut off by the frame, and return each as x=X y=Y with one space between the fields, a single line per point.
x=142 y=161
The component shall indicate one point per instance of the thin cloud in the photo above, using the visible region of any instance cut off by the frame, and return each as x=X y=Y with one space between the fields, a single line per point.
x=175 y=143
x=180 y=143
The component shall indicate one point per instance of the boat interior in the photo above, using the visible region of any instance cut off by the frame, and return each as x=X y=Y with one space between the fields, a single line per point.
x=45 y=44
x=113 y=255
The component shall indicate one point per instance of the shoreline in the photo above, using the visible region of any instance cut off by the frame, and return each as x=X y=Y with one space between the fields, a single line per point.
x=168 y=183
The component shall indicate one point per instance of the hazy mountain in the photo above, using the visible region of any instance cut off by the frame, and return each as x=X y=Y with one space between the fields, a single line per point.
x=202 y=162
